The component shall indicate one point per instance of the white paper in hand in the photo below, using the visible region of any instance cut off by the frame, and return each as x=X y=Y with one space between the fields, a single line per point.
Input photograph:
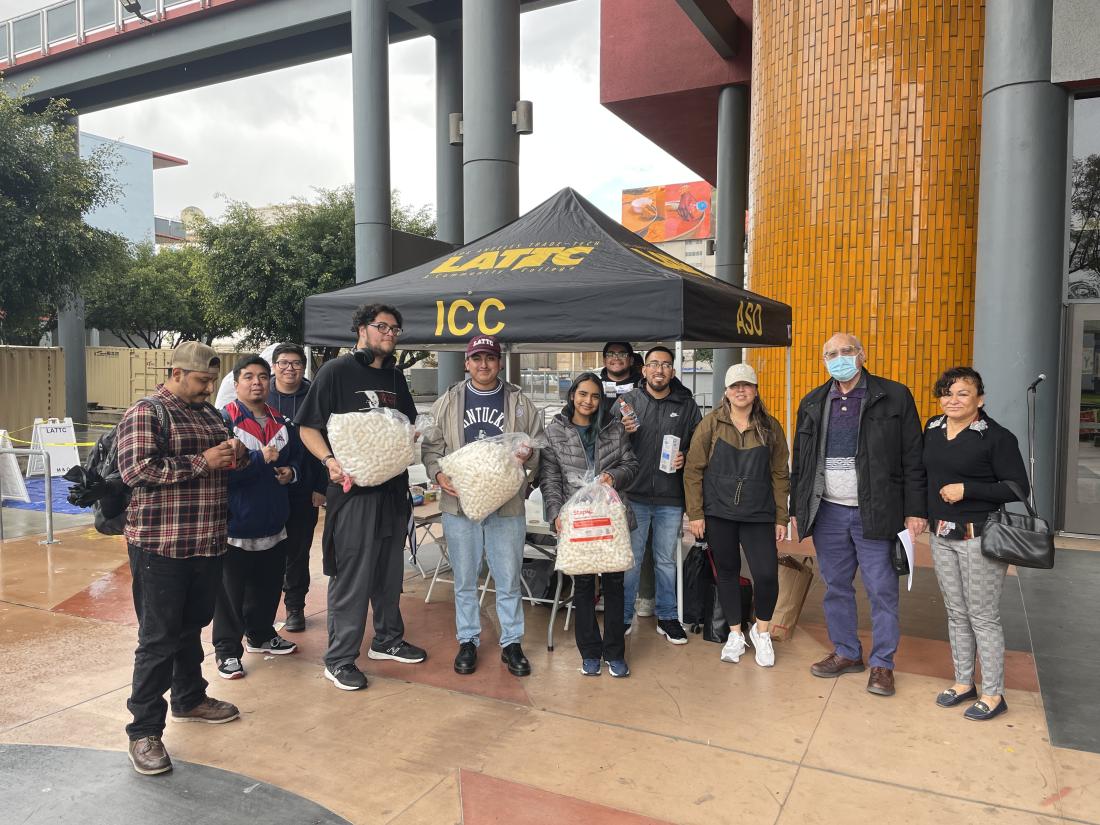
x=907 y=543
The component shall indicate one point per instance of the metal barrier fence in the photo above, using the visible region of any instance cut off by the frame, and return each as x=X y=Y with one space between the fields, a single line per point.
x=17 y=451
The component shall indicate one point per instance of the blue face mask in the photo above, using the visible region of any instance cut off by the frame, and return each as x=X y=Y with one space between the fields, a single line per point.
x=843 y=367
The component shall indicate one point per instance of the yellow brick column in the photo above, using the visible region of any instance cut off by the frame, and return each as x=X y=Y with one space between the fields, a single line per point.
x=864 y=183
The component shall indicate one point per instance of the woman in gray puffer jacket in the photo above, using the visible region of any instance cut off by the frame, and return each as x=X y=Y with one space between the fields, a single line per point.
x=583 y=444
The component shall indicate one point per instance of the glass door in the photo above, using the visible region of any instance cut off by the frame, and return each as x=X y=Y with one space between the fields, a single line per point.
x=1082 y=470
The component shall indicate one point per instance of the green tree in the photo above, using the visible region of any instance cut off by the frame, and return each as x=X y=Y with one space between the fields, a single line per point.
x=151 y=299
x=262 y=271
x=47 y=251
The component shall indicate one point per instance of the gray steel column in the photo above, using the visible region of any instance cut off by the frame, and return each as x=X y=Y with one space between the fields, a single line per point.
x=71 y=337
x=448 y=171
x=490 y=143
x=731 y=202
x=371 y=114
x=1021 y=227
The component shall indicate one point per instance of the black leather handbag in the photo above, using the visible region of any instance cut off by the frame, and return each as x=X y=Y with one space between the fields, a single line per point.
x=1025 y=541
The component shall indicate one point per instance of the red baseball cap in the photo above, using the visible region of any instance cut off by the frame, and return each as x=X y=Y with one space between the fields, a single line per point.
x=483 y=343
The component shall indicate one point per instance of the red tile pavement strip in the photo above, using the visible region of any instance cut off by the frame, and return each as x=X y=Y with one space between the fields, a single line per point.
x=431 y=626
x=109 y=598
x=487 y=800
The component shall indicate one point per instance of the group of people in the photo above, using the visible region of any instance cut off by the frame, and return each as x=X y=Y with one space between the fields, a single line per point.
x=225 y=503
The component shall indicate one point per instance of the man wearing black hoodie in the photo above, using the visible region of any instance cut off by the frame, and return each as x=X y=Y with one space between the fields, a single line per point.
x=288 y=391
x=663 y=407
x=620 y=374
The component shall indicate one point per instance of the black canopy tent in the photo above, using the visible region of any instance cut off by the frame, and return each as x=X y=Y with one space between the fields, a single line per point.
x=563 y=277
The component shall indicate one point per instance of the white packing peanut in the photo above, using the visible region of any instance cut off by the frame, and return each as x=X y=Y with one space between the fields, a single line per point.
x=486 y=475
x=595 y=533
x=372 y=446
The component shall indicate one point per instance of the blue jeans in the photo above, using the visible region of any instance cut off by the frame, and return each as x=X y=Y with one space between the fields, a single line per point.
x=668 y=525
x=841 y=548
x=500 y=540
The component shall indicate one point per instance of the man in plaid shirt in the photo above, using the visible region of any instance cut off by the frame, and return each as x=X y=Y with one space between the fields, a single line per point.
x=176 y=534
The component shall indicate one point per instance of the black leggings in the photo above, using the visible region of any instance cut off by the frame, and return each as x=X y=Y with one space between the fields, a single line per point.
x=726 y=538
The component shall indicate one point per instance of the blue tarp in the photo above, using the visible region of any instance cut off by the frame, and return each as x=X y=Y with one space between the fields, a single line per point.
x=36 y=489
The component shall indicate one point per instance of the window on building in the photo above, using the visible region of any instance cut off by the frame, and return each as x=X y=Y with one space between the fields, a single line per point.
x=3 y=41
x=694 y=249
x=1083 y=271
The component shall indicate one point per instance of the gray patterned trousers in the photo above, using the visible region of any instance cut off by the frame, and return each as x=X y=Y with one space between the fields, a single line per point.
x=971 y=585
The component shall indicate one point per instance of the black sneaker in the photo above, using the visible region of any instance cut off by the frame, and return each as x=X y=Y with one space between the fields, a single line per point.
x=672 y=630
x=347 y=677
x=399 y=652
x=276 y=646
x=295 y=621
x=230 y=668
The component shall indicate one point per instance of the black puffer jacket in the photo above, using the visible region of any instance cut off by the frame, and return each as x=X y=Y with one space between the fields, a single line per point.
x=889 y=469
x=675 y=414
x=565 y=463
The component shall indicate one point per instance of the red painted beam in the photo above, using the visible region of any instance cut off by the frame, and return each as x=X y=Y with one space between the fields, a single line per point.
x=660 y=74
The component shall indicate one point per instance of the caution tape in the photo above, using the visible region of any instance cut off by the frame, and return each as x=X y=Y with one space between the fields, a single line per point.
x=55 y=443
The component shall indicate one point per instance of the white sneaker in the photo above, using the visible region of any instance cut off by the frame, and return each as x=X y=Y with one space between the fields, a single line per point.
x=765 y=653
x=644 y=607
x=734 y=648
x=629 y=629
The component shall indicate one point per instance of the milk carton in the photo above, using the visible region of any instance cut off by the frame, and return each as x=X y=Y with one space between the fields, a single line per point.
x=669 y=447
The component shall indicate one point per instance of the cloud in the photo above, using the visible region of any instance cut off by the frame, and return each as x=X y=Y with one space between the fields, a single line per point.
x=273 y=137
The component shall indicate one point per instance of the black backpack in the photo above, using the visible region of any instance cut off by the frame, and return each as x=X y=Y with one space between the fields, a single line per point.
x=98 y=483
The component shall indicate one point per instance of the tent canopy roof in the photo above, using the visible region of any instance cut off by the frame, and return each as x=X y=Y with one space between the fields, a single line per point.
x=563 y=277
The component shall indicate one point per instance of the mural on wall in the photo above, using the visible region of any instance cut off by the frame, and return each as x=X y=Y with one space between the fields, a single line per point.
x=672 y=212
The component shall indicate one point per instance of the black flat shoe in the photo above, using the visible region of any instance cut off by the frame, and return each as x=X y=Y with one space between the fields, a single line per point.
x=517 y=663
x=466 y=660
x=949 y=698
x=980 y=711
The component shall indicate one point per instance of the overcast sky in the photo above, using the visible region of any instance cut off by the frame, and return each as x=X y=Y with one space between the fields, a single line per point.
x=272 y=137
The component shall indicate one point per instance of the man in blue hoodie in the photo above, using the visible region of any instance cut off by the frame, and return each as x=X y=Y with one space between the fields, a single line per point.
x=252 y=573
x=288 y=390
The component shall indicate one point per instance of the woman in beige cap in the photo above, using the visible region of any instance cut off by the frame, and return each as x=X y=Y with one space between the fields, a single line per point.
x=736 y=483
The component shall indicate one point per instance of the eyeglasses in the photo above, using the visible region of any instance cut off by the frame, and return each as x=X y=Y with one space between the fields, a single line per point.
x=290 y=365
x=616 y=354
x=385 y=328
x=659 y=365
x=847 y=351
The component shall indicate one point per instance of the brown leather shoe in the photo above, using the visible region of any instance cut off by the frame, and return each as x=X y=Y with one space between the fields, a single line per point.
x=881 y=681
x=211 y=711
x=833 y=665
x=148 y=756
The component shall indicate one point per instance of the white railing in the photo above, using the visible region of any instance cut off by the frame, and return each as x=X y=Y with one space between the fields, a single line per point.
x=72 y=21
